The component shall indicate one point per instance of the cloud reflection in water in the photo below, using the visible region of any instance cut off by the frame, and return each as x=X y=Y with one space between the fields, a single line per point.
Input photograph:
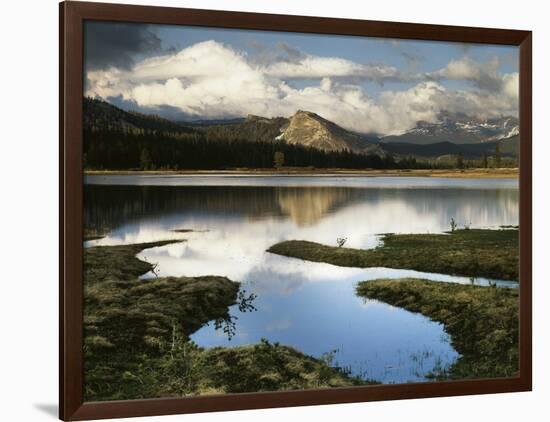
x=310 y=306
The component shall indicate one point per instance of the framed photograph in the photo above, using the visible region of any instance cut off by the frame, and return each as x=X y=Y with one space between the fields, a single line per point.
x=265 y=210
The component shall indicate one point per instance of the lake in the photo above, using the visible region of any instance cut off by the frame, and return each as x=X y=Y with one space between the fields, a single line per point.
x=232 y=220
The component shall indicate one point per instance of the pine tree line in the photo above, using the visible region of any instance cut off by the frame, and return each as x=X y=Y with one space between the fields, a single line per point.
x=124 y=150
x=119 y=150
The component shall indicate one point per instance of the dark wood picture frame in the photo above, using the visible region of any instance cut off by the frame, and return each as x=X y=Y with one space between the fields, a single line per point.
x=71 y=18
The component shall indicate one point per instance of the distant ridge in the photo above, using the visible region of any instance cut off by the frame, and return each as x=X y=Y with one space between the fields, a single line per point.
x=508 y=147
x=458 y=129
x=310 y=130
x=101 y=115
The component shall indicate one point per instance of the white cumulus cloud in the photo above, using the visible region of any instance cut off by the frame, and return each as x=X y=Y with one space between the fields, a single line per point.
x=212 y=80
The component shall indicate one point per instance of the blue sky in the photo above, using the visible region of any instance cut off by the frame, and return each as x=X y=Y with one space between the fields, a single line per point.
x=423 y=55
x=379 y=85
x=360 y=49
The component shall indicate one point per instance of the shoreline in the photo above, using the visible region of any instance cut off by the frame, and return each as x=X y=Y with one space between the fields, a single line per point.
x=431 y=253
x=139 y=329
x=482 y=322
x=501 y=173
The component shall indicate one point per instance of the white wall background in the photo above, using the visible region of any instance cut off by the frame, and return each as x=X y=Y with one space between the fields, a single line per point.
x=28 y=235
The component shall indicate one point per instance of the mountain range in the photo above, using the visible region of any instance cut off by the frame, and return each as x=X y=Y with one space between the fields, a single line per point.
x=449 y=136
x=458 y=129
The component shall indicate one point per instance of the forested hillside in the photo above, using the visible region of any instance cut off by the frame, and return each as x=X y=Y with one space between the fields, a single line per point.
x=119 y=140
x=115 y=139
x=119 y=150
x=101 y=116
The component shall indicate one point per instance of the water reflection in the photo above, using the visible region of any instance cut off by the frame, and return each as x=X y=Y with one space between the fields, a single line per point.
x=310 y=306
x=228 y=324
x=338 y=181
x=375 y=210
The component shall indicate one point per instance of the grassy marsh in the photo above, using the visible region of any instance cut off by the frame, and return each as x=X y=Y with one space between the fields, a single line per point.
x=136 y=336
x=465 y=252
x=482 y=321
x=478 y=173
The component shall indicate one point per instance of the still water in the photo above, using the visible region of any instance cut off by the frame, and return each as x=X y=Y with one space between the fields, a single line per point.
x=309 y=306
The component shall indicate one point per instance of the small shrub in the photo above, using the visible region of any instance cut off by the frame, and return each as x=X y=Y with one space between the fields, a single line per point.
x=453 y=225
x=341 y=241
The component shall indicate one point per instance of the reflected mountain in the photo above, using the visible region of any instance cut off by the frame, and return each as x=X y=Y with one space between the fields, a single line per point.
x=306 y=206
x=107 y=207
x=310 y=306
